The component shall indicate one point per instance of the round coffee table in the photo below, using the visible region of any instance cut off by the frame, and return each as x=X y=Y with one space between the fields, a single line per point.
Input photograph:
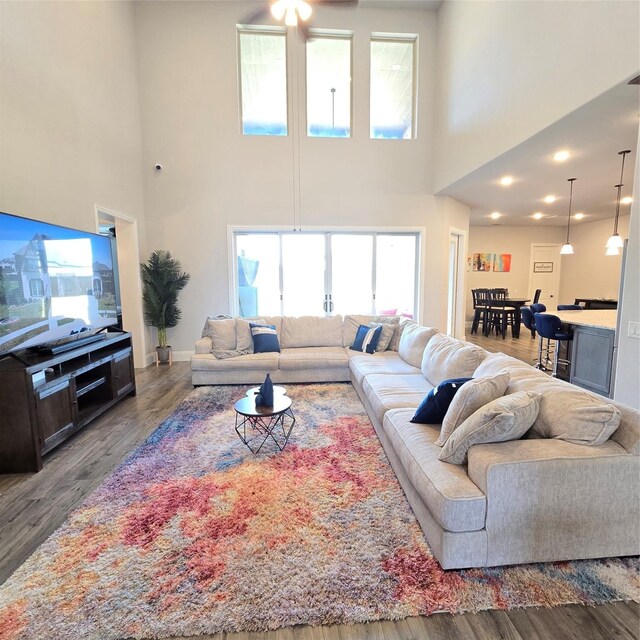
x=257 y=424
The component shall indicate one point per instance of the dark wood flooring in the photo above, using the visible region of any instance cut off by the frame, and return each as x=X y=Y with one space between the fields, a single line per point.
x=32 y=506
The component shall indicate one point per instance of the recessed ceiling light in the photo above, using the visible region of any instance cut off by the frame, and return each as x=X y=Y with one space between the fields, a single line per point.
x=579 y=216
x=506 y=181
x=538 y=214
x=627 y=200
x=561 y=156
x=495 y=215
x=549 y=199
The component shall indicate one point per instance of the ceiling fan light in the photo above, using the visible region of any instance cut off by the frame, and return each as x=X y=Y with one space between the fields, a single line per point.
x=566 y=250
x=304 y=10
x=615 y=241
x=291 y=18
x=278 y=8
x=613 y=251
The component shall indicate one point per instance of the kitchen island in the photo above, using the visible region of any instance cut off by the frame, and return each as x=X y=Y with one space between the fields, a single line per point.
x=593 y=349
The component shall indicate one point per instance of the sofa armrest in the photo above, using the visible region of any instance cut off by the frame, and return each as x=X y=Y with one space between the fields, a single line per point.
x=204 y=345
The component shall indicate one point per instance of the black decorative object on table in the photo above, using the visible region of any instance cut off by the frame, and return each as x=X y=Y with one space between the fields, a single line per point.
x=264 y=397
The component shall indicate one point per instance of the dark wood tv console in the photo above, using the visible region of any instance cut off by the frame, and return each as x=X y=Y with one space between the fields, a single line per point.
x=44 y=399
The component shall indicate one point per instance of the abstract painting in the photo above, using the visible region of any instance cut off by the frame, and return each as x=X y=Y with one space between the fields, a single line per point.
x=482 y=261
x=502 y=262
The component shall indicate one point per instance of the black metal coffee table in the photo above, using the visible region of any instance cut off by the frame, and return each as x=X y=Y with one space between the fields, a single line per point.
x=262 y=423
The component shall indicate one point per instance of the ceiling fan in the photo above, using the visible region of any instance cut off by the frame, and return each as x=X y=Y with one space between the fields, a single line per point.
x=294 y=13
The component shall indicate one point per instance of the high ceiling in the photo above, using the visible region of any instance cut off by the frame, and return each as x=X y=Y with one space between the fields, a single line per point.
x=593 y=135
x=429 y=5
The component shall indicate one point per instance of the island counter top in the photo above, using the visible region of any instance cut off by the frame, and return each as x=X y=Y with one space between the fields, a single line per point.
x=600 y=318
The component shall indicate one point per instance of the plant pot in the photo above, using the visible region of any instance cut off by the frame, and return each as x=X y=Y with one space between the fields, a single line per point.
x=163 y=355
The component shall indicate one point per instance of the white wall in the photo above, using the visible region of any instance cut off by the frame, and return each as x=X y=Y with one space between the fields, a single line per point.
x=506 y=70
x=69 y=114
x=506 y=239
x=214 y=177
x=627 y=385
x=589 y=273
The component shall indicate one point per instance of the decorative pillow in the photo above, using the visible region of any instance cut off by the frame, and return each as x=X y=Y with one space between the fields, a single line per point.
x=395 y=341
x=477 y=393
x=413 y=341
x=434 y=407
x=265 y=338
x=386 y=335
x=223 y=336
x=243 y=334
x=507 y=418
x=352 y=322
x=445 y=358
x=367 y=339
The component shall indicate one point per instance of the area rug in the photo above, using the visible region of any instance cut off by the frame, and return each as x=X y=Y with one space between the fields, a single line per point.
x=194 y=534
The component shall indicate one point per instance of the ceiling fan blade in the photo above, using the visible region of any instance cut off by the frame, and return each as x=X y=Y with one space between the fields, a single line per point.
x=257 y=16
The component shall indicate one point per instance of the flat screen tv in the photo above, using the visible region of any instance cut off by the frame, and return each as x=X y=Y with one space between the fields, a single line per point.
x=55 y=282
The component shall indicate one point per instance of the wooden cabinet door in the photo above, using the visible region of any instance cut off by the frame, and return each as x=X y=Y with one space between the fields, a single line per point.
x=122 y=374
x=57 y=413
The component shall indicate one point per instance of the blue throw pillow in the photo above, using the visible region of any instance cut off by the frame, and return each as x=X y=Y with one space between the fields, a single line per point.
x=265 y=338
x=434 y=407
x=367 y=339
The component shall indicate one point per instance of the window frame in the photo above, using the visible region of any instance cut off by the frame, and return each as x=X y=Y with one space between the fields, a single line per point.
x=401 y=38
x=329 y=34
x=234 y=230
x=265 y=30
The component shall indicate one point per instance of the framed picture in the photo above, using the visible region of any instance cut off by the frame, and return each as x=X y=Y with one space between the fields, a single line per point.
x=482 y=261
x=502 y=262
x=543 y=267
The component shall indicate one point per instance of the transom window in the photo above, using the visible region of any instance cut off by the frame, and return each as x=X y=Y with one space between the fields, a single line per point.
x=325 y=273
x=392 y=87
x=329 y=86
x=263 y=82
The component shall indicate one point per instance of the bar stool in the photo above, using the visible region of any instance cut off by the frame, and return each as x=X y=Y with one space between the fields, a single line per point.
x=569 y=307
x=550 y=327
x=528 y=320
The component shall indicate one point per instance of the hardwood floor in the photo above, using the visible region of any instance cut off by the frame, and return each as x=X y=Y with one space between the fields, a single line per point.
x=32 y=506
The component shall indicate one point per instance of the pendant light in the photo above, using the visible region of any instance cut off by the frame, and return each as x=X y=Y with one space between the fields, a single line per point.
x=615 y=241
x=567 y=249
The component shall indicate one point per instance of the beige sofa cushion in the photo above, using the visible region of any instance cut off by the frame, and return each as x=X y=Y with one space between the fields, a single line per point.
x=311 y=331
x=244 y=339
x=471 y=396
x=413 y=341
x=294 y=359
x=386 y=392
x=352 y=322
x=253 y=361
x=388 y=331
x=222 y=333
x=453 y=499
x=566 y=411
x=445 y=358
x=386 y=362
x=504 y=419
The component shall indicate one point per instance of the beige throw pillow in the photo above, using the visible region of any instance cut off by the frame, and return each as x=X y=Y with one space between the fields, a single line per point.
x=507 y=418
x=243 y=334
x=413 y=341
x=472 y=395
x=446 y=358
x=388 y=330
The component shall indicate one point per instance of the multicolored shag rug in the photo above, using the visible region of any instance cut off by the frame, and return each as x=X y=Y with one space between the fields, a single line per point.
x=194 y=534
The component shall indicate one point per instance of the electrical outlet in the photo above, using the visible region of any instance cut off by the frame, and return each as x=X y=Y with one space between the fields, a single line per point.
x=634 y=330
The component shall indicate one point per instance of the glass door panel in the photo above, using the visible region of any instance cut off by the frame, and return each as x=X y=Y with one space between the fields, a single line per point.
x=258 y=274
x=396 y=258
x=303 y=274
x=351 y=273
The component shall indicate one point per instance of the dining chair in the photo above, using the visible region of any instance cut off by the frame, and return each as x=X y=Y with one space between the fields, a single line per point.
x=536 y=296
x=480 y=306
x=500 y=316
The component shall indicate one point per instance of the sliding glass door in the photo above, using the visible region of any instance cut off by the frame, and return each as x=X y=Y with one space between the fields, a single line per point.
x=325 y=273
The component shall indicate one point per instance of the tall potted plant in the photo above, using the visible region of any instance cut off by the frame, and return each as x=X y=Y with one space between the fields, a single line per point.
x=162 y=280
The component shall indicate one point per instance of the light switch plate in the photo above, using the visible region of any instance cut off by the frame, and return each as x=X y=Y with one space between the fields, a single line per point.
x=634 y=330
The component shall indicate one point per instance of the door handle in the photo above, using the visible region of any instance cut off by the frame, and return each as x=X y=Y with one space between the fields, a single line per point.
x=330 y=306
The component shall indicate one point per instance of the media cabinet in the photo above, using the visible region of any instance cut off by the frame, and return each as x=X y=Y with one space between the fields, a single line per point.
x=44 y=399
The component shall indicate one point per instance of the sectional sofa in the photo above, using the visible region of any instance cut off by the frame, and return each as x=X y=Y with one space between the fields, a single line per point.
x=568 y=490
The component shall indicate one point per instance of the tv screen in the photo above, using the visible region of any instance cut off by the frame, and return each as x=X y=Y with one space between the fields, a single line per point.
x=54 y=282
